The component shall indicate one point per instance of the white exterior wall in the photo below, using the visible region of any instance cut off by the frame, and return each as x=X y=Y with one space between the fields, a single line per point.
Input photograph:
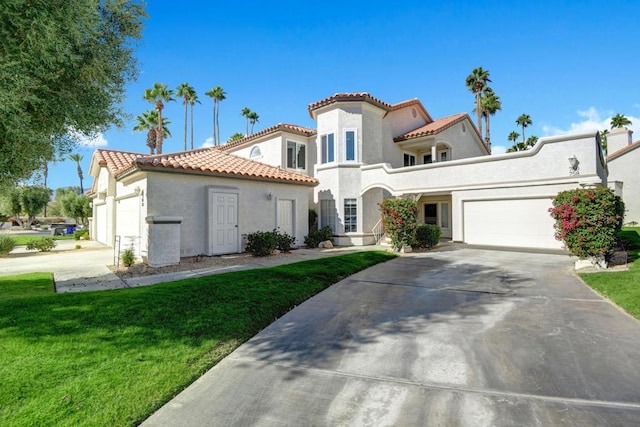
x=402 y=121
x=548 y=160
x=625 y=168
x=174 y=194
x=271 y=150
x=464 y=144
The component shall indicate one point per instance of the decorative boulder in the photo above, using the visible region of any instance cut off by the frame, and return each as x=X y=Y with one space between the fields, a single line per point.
x=325 y=245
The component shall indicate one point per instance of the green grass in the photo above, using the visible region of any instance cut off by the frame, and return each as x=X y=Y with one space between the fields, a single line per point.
x=113 y=357
x=623 y=287
x=23 y=239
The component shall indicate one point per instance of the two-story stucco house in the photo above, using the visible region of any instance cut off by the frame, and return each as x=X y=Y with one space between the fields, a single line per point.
x=362 y=151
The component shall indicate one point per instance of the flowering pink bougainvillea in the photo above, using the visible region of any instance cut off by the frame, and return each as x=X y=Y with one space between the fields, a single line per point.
x=399 y=218
x=588 y=221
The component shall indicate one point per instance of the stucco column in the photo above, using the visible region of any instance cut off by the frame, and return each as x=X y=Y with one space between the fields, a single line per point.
x=434 y=152
x=163 y=247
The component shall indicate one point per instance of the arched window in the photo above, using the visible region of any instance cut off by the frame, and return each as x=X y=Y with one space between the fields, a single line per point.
x=255 y=152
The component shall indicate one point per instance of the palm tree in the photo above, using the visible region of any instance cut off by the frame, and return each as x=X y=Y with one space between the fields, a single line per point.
x=513 y=137
x=236 y=136
x=78 y=158
x=149 y=121
x=477 y=82
x=491 y=104
x=524 y=120
x=253 y=118
x=156 y=96
x=184 y=91
x=217 y=94
x=619 y=121
x=193 y=99
x=245 y=113
x=531 y=141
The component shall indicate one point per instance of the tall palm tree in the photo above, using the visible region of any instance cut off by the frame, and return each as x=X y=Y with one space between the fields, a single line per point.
x=245 y=113
x=193 y=99
x=476 y=82
x=184 y=91
x=524 y=120
x=78 y=158
x=157 y=96
x=491 y=104
x=253 y=118
x=149 y=121
x=217 y=94
x=619 y=121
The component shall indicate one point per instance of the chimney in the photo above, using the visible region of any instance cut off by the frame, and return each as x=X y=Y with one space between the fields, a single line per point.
x=617 y=139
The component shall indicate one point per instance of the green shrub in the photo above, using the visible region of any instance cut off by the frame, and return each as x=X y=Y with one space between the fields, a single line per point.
x=128 y=257
x=588 y=221
x=261 y=243
x=78 y=247
x=317 y=236
x=399 y=218
x=82 y=233
x=428 y=235
x=42 y=245
x=7 y=244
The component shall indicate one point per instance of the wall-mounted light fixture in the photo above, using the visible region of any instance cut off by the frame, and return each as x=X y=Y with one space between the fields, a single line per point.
x=269 y=196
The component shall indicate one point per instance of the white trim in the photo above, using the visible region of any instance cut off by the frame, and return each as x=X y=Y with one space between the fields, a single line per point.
x=321 y=147
x=306 y=157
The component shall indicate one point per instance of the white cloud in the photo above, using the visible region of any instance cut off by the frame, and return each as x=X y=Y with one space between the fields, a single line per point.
x=92 y=140
x=498 y=149
x=207 y=143
x=592 y=120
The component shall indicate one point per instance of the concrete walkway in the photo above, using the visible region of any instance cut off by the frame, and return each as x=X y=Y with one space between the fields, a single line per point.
x=455 y=337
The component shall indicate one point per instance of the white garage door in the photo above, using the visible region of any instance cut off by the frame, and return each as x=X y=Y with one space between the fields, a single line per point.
x=518 y=223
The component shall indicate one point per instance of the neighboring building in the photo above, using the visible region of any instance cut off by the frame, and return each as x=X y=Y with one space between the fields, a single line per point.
x=214 y=197
x=623 y=175
x=363 y=151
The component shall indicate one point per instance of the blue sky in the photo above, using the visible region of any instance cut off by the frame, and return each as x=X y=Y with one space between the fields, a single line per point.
x=570 y=65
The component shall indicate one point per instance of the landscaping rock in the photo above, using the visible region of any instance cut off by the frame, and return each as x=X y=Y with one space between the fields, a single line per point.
x=326 y=244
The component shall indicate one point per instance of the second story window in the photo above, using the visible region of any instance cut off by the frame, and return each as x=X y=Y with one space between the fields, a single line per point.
x=409 y=159
x=328 y=148
x=255 y=152
x=296 y=155
x=350 y=145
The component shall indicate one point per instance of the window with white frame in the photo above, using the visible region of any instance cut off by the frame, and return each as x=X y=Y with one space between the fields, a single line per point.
x=328 y=214
x=255 y=152
x=327 y=148
x=409 y=159
x=350 y=215
x=427 y=158
x=350 y=145
x=443 y=156
x=296 y=155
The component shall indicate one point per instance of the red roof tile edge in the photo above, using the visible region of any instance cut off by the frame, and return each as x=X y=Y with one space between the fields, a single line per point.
x=270 y=130
x=432 y=128
x=623 y=150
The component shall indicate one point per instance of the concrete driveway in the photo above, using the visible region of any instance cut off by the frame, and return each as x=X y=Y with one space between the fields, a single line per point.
x=455 y=337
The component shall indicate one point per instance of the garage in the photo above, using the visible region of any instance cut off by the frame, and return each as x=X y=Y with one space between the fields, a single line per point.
x=100 y=220
x=510 y=222
x=128 y=230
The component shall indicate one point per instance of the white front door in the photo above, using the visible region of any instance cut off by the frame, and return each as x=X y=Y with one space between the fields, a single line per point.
x=223 y=223
x=285 y=216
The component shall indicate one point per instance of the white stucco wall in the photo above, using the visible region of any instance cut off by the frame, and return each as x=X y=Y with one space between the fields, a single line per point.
x=625 y=168
x=402 y=121
x=271 y=150
x=186 y=195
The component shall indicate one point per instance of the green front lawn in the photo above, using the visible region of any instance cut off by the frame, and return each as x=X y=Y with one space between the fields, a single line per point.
x=622 y=287
x=113 y=357
x=23 y=239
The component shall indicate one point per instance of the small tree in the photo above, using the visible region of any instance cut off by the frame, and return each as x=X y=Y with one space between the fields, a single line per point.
x=399 y=218
x=33 y=200
x=588 y=221
x=76 y=206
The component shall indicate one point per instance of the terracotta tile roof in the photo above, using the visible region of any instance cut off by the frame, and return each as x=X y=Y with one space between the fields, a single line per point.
x=433 y=127
x=348 y=97
x=623 y=150
x=208 y=161
x=409 y=103
x=284 y=127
